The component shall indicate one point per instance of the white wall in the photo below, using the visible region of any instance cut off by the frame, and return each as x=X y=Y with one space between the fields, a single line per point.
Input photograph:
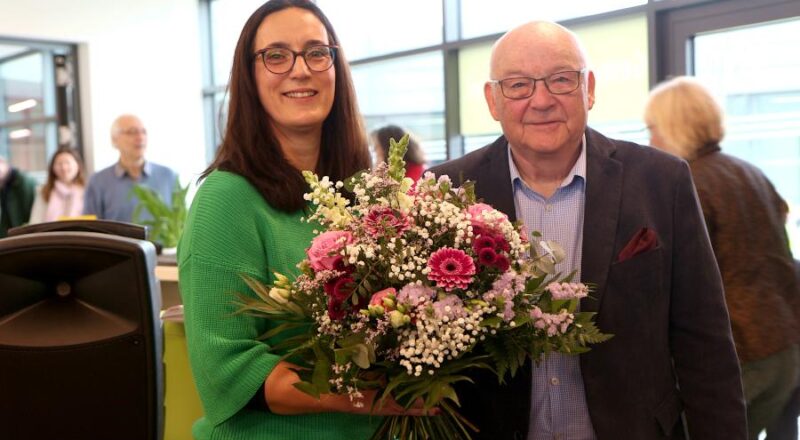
x=138 y=56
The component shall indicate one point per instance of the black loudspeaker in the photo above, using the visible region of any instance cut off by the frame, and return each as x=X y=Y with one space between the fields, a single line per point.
x=105 y=226
x=80 y=338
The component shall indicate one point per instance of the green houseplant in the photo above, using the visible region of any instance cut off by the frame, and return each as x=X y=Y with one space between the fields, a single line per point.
x=167 y=221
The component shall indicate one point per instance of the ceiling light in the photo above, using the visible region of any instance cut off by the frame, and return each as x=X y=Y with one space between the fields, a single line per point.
x=19 y=134
x=22 y=105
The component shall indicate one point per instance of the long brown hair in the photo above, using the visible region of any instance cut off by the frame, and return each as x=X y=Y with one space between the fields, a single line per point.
x=249 y=146
x=80 y=178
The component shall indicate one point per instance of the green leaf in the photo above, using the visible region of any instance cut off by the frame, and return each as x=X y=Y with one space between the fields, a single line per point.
x=322 y=370
x=307 y=388
x=167 y=222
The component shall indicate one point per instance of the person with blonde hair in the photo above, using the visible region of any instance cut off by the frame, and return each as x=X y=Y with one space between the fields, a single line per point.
x=745 y=216
x=62 y=193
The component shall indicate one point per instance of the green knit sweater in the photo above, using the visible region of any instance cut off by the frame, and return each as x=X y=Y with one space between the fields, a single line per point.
x=231 y=231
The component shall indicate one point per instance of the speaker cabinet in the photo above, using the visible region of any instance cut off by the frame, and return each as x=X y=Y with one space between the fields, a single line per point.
x=80 y=338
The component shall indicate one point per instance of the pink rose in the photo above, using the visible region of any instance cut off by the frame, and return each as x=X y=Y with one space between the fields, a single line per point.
x=324 y=251
x=476 y=215
x=378 y=297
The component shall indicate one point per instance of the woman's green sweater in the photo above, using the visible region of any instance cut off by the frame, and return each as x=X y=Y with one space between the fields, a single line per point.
x=231 y=231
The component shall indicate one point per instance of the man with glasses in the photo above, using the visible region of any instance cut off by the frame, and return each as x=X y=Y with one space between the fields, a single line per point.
x=109 y=193
x=628 y=219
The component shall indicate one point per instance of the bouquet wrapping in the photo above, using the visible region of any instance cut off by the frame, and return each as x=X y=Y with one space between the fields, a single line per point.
x=408 y=289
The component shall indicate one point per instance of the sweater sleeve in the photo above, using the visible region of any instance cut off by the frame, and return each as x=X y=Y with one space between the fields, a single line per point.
x=224 y=238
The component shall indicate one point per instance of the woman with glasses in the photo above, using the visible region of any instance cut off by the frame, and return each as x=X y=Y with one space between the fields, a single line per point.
x=292 y=108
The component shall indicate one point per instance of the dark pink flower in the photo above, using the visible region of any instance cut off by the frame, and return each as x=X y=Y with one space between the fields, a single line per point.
x=501 y=263
x=487 y=256
x=340 y=288
x=324 y=251
x=386 y=221
x=451 y=268
x=335 y=310
x=502 y=243
x=483 y=241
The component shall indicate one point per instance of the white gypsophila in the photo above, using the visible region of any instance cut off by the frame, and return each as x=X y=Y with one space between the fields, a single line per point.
x=325 y=325
x=433 y=340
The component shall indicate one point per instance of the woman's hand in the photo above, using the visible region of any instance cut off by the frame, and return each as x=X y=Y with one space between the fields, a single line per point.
x=283 y=398
x=390 y=407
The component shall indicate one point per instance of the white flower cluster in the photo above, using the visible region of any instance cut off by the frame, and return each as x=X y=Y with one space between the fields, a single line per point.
x=432 y=339
x=331 y=206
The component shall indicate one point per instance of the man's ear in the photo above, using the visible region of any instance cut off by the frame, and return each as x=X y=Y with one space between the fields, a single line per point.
x=488 y=93
x=590 y=88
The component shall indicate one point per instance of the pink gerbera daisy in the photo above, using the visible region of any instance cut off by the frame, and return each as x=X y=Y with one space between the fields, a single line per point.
x=451 y=268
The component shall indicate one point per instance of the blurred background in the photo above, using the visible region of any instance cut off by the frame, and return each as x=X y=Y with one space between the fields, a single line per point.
x=67 y=69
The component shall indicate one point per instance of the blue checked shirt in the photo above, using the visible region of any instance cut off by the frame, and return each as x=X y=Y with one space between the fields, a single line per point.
x=109 y=194
x=558 y=400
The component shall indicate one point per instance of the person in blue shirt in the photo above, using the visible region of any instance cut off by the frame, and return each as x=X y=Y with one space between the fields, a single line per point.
x=109 y=194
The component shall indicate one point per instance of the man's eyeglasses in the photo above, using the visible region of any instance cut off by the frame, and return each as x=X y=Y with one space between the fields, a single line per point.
x=280 y=60
x=559 y=83
x=133 y=131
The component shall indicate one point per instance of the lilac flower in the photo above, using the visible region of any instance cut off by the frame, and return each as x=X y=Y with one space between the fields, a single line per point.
x=414 y=294
x=568 y=290
x=450 y=306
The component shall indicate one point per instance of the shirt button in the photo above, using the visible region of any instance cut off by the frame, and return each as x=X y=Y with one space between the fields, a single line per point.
x=555 y=381
x=558 y=436
x=548 y=208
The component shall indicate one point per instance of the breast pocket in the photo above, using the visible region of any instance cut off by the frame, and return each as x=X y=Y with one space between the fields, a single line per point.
x=635 y=290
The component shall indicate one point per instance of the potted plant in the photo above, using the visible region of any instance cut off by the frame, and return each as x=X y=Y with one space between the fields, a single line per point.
x=167 y=221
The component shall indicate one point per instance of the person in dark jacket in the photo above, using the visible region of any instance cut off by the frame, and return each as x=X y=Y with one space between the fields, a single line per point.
x=628 y=219
x=745 y=217
x=17 y=192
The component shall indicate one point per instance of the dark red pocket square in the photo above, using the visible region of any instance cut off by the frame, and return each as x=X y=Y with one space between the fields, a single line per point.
x=644 y=240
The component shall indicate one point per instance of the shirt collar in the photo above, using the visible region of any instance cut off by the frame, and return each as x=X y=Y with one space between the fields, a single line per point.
x=120 y=172
x=578 y=169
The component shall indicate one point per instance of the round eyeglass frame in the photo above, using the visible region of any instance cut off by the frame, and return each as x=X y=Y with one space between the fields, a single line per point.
x=261 y=54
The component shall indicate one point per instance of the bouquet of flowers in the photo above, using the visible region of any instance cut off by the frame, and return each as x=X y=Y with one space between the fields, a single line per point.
x=409 y=287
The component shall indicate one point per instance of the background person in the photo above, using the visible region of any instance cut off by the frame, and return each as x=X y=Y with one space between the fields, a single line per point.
x=17 y=192
x=415 y=157
x=292 y=107
x=62 y=193
x=627 y=216
x=109 y=193
x=745 y=217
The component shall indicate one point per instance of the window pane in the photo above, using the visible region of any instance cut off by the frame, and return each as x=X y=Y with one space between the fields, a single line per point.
x=227 y=20
x=617 y=52
x=29 y=147
x=373 y=27
x=408 y=92
x=480 y=17
x=761 y=97
x=27 y=116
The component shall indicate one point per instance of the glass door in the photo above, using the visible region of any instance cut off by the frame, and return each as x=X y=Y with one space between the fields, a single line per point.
x=38 y=105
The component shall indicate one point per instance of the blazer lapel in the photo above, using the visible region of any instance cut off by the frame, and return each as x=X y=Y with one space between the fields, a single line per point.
x=601 y=215
x=494 y=179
